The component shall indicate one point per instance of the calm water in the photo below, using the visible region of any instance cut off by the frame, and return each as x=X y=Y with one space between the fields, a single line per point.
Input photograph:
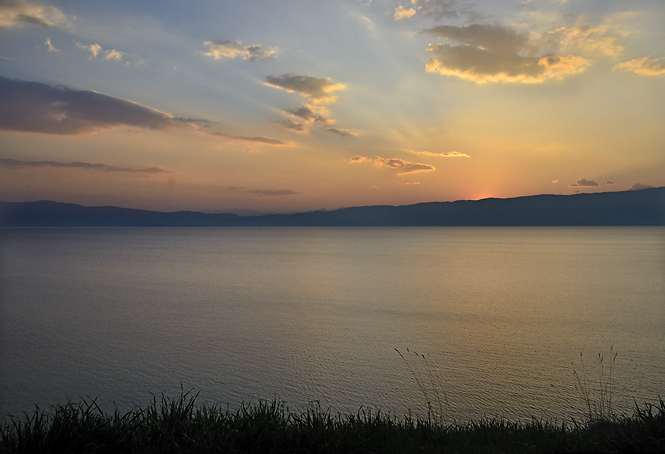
x=315 y=314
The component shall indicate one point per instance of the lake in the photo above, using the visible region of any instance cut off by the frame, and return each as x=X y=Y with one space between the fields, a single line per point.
x=498 y=317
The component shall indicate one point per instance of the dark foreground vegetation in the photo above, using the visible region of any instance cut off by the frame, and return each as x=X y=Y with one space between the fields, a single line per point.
x=182 y=425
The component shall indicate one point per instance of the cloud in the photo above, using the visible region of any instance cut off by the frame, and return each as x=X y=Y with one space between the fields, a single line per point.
x=583 y=182
x=277 y=192
x=403 y=167
x=258 y=139
x=602 y=39
x=96 y=50
x=342 y=132
x=357 y=159
x=268 y=192
x=79 y=165
x=50 y=47
x=403 y=13
x=15 y=13
x=638 y=186
x=235 y=49
x=444 y=9
x=643 y=66
x=292 y=125
x=315 y=89
x=609 y=182
x=412 y=182
x=493 y=53
x=450 y=154
x=555 y=181
x=309 y=115
x=40 y=108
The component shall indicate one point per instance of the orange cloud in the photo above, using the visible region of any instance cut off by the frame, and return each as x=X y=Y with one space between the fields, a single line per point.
x=234 y=49
x=450 y=154
x=403 y=13
x=15 y=13
x=643 y=66
x=316 y=89
x=492 y=53
x=403 y=167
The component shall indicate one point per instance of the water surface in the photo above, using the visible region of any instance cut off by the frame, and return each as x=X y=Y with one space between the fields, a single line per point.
x=315 y=314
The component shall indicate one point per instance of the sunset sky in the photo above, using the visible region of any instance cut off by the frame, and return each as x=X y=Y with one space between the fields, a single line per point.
x=295 y=105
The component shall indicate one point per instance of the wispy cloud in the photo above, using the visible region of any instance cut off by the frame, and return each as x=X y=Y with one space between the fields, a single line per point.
x=449 y=154
x=50 y=47
x=80 y=165
x=15 y=13
x=258 y=139
x=266 y=192
x=235 y=49
x=437 y=10
x=643 y=66
x=276 y=192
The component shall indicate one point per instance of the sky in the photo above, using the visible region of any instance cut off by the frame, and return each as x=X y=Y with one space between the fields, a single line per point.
x=296 y=105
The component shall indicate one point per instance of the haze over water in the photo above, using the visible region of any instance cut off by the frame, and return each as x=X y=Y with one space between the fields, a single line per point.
x=315 y=314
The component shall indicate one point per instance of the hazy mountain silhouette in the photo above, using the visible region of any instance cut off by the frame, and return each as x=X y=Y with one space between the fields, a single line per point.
x=642 y=207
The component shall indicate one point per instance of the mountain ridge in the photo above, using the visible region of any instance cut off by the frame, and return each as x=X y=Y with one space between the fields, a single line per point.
x=633 y=207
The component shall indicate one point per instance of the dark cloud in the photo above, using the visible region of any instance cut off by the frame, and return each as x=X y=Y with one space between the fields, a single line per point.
x=609 y=182
x=638 y=186
x=32 y=20
x=583 y=182
x=402 y=166
x=493 y=53
x=341 y=132
x=308 y=114
x=234 y=49
x=79 y=165
x=41 y=108
x=317 y=89
x=292 y=125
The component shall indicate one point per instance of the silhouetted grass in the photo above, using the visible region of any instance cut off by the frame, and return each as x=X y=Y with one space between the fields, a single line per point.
x=181 y=425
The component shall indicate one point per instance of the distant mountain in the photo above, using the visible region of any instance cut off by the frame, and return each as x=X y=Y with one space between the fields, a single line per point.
x=642 y=207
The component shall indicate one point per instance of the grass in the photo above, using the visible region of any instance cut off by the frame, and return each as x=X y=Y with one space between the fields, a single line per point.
x=181 y=425
x=597 y=395
x=429 y=383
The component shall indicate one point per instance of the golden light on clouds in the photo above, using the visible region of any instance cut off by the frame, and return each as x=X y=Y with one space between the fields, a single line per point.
x=328 y=104
x=644 y=66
